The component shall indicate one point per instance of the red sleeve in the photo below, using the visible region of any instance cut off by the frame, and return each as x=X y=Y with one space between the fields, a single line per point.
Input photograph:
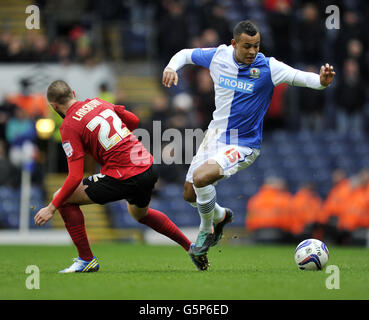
x=130 y=119
x=74 y=178
x=74 y=151
x=71 y=143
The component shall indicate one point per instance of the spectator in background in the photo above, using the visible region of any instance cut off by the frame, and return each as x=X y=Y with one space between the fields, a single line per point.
x=350 y=98
x=6 y=112
x=182 y=117
x=160 y=111
x=109 y=12
x=268 y=211
x=305 y=210
x=170 y=169
x=311 y=107
x=213 y=15
x=355 y=215
x=175 y=117
x=279 y=17
x=15 y=50
x=333 y=205
x=276 y=115
x=33 y=104
x=37 y=48
x=5 y=38
x=173 y=30
x=120 y=97
x=199 y=81
x=204 y=98
x=352 y=28
x=10 y=176
x=20 y=135
x=355 y=51
x=210 y=38
x=61 y=50
x=105 y=94
x=309 y=36
x=83 y=48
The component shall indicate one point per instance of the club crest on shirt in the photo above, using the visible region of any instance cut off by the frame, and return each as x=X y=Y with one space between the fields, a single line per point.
x=254 y=73
x=67 y=148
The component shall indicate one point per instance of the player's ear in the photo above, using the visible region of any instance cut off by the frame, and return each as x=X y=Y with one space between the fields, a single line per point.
x=74 y=93
x=233 y=43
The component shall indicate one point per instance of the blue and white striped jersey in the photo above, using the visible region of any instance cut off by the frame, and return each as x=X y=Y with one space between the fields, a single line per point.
x=242 y=92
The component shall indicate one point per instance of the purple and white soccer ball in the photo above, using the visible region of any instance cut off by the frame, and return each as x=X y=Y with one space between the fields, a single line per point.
x=311 y=254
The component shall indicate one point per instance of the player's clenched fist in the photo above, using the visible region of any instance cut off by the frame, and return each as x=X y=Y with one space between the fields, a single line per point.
x=169 y=77
x=326 y=75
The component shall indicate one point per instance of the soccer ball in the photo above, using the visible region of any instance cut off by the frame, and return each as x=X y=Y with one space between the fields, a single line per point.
x=311 y=254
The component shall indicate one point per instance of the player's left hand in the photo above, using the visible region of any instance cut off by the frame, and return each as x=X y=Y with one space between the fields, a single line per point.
x=44 y=215
x=326 y=75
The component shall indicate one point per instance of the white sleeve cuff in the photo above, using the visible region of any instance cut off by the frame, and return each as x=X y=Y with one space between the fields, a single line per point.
x=307 y=79
x=180 y=59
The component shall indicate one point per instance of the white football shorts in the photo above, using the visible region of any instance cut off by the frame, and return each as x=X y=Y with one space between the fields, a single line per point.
x=231 y=158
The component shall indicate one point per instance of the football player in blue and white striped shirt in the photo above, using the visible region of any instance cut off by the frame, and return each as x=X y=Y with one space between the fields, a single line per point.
x=244 y=80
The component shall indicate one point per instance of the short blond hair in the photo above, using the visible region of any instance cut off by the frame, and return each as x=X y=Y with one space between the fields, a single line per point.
x=60 y=92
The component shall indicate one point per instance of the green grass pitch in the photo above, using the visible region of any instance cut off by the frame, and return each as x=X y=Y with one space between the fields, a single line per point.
x=144 y=272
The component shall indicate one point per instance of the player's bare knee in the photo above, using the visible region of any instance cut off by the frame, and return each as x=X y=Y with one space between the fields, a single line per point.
x=188 y=196
x=201 y=180
x=136 y=213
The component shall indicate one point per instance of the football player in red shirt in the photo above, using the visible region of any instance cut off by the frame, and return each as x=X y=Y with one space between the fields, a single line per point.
x=127 y=172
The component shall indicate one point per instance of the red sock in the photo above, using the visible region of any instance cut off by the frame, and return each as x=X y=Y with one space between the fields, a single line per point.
x=161 y=223
x=75 y=224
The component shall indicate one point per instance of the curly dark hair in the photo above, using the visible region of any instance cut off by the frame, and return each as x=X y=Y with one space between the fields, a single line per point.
x=245 y=26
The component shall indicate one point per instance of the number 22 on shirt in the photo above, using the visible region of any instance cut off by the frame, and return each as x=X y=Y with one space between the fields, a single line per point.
x=105 y=129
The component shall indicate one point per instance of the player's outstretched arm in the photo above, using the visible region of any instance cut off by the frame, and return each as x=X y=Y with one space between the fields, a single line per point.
x=180 y=59
x=283 y=73
x=327 y=74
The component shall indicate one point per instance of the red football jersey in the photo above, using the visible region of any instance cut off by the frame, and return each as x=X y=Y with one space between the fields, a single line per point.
x=95 y=126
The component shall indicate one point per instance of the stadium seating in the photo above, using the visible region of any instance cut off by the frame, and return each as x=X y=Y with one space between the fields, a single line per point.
x=10 y=206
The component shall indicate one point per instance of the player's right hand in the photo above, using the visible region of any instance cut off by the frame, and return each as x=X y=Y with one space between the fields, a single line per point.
x=169 y=77
x=44 y=215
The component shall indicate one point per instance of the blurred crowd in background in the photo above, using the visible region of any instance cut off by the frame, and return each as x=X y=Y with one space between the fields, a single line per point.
x=305 y=214
x=92 y=31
